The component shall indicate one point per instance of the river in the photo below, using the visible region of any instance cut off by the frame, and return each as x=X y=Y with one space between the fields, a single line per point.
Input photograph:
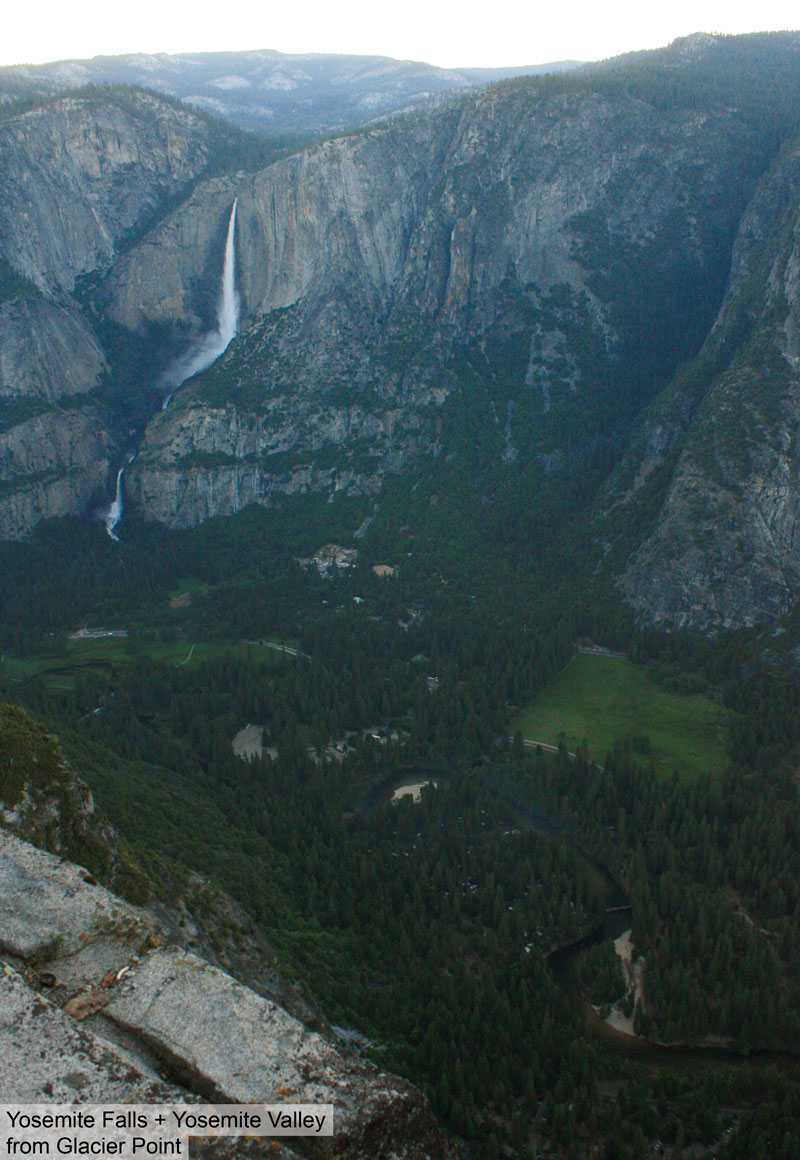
x=615 y=921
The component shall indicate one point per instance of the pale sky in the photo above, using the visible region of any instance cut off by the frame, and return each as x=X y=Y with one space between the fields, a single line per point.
x=500 y=32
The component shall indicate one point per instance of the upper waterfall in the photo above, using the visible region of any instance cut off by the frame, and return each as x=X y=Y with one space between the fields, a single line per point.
x=228 y=312
x=212 y=345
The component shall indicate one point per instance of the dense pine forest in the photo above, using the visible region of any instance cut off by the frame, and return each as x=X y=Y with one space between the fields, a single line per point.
x=434 y=927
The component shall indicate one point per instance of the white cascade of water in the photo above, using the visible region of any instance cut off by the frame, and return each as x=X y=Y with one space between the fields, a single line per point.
x=114 y=513
x=205 y=352
x=210 y=346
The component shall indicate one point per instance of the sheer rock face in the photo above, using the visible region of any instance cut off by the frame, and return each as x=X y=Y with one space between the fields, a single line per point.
x=54 y=444
x=81 y=174
x=141 y=1008
x=429 y=216
x=78 y=178
x=218 y=460
x=368 y=265
x=47 y=352
x=53 y=464
x=725 y=549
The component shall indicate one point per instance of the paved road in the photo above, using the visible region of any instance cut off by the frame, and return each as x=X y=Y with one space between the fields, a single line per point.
x=284 y=648
x=543 y=745
x=597 y=651
x=527 y=741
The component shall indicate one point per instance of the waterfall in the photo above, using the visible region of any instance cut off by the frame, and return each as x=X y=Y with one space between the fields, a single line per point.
x=216 y=342
x=198 y=358
x=115 y=511
x=228 y=313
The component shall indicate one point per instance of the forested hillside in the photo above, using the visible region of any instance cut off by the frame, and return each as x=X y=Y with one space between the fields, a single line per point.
x=426 y=926
x=509 y=397
x=271 y=92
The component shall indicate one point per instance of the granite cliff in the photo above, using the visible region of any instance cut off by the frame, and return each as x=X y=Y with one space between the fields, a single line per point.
x=380 y=272
x=82 y=173
x=81 y=178
x=536 y=267
x=724 y=548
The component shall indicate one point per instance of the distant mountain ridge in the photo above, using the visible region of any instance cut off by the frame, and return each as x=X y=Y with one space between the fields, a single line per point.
x=267 y=90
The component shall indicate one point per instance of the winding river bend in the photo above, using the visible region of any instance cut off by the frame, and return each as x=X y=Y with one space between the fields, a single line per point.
x=198 y=358
x=615 y=921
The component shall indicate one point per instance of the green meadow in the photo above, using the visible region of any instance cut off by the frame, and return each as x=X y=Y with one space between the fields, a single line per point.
x=59 y=668
x=603 y=699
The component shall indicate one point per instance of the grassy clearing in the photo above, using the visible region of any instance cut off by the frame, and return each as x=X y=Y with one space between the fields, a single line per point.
x=603 y=699
x=103 y=655
x=187 y=592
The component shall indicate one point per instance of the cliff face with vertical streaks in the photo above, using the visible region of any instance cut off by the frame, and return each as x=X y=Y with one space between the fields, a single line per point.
x=381 y=270
x=80 y=178
x=533 y=268
x=725 y=549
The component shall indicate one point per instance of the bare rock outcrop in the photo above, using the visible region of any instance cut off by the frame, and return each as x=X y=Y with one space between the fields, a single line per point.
x=47 y=351
x=81 y=177
x=47 y=1056
x=52 y=464
x=146 y=1012
x=53 y=911
x=233 y=1046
